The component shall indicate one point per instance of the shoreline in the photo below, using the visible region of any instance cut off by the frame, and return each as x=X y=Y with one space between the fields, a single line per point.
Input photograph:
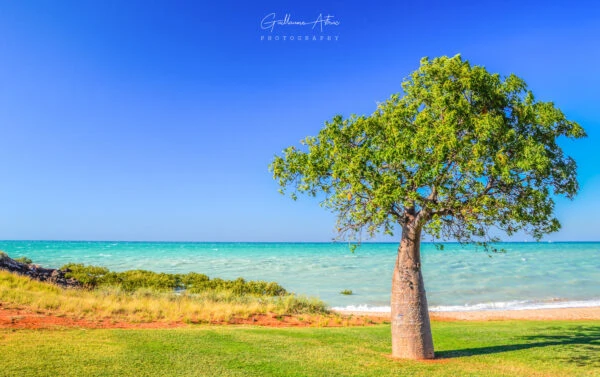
x=556 y=314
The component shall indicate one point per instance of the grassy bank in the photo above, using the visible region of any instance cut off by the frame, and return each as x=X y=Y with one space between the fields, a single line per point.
x=146 y=304
x=517 y=348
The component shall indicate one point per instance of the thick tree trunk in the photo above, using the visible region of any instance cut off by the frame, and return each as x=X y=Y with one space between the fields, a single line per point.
x=411 y=331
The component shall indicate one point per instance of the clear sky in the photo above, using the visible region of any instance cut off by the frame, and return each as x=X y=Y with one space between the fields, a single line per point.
x=156 y=120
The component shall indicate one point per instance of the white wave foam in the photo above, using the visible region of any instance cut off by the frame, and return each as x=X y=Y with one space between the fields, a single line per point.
x=363 y=308
x=490 y=306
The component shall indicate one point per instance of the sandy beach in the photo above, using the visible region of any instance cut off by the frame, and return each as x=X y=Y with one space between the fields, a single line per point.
x=592 y=313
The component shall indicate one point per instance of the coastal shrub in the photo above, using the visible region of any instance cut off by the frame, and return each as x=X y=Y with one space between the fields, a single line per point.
x=193 y=279
x=238 y=286
x=89 y=276
x=302 y=305
x=95 y=276
x=136 y=279
x=267 y=288
x=24 y=260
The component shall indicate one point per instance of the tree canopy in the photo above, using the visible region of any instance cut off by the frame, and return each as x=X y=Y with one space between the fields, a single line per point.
x=459 y=151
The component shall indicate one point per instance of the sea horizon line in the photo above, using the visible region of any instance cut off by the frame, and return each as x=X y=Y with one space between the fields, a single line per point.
x=292 y=242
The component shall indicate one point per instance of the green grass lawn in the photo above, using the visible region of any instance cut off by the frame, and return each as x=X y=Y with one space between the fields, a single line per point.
x=511 y=348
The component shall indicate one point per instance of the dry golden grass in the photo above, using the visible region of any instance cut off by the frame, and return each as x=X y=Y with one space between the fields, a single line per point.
x=144 y=305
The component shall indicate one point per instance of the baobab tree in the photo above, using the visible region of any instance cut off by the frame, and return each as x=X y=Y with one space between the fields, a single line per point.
x=459 y=152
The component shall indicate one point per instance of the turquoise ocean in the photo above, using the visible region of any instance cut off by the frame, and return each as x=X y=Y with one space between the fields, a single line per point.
x=527 y=275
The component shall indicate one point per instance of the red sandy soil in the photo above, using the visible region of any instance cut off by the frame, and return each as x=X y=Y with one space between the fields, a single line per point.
x=22 y=318
x=26 y=319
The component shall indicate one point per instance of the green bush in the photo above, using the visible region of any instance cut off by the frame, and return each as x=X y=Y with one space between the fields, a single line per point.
x=299 y=305
x=24 y=260
x=132 y=280
x=346 y=292
x=89 y=276
x=136 y=279
x=192 y=279
x=239 y=287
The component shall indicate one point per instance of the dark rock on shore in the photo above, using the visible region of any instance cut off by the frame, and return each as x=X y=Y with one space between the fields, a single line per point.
x=49 y=275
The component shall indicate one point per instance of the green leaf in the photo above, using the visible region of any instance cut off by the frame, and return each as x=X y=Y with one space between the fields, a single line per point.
x=459 y=151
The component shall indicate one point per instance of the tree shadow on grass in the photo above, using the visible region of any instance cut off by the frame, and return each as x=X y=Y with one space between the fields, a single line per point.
x=581 y=345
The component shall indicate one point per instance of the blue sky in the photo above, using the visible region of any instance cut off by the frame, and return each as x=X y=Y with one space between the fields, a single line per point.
x=157 y=120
